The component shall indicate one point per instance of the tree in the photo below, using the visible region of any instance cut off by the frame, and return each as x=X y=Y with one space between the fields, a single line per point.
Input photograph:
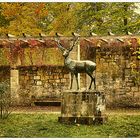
x=67 y=17
x=62 y=18
x=102 y=17
x=23 y=17
x=92 y=17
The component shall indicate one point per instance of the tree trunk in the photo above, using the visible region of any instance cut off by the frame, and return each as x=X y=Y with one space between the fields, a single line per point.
x=125 y=20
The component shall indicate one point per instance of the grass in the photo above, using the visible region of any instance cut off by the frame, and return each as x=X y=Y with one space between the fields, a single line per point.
x=39 y=125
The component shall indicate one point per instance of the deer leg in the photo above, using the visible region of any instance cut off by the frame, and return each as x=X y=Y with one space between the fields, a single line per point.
x=76 y=75
x=71 y=80
x=94 y=83
x=92 y=79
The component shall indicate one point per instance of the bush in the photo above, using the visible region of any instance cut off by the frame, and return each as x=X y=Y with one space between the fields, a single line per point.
x=125 y=101
x=4 y=100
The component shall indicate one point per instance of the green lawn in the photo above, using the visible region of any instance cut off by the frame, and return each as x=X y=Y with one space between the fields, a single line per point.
x=47 y=125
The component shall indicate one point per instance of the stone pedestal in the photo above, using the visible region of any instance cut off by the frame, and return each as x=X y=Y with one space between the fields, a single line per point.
x=83 y=107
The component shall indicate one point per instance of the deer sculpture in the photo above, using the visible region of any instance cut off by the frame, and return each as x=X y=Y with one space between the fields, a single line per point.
x=75 y=66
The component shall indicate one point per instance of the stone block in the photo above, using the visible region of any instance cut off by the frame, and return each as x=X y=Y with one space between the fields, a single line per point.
x=100 y=87
x=51 y=77
x=34 y=68
x=116 y=85
x=127 y=63
x=14 y=79
x=134 y=89
x=66 y=75
x=31 y=72
x=76 y=120
x=81 y=107
x=54 y=84
x=14 y=85
x=100 y=119
x=61 y=76
x=54 y=76
x=31 y=77
x=38 y=83
x=46 y=73
x=51 y=81
x=63 y=80
x=14 y=73
x=127 y=72
x=46 y=85
x=130 y=84
x=46 y=77
x=102 y=60
x=22 y=78
x=26 y=78
x=49 y=73
x=32 y=81
x=84 y=108
x=105 y=65
x=38 y=77
x=137 y=94
x=127 y=89
x=99 y=82
x=97 y=60
x=98 y=75
x=58 y=81
x=129 y=93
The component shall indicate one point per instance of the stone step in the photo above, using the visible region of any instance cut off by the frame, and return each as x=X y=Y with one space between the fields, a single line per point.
x=46 y=103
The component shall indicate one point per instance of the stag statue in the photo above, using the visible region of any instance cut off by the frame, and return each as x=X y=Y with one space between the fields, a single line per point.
x=75 y=66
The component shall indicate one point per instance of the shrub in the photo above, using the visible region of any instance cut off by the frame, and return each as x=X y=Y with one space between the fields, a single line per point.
x=4 y=100
x=125 y=101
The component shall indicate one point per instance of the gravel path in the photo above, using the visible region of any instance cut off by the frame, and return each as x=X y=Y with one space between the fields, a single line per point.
x=57 y=110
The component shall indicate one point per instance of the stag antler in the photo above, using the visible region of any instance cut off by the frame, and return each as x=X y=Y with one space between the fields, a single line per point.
x=75 y=40
x=57 y=39
x=59 y=44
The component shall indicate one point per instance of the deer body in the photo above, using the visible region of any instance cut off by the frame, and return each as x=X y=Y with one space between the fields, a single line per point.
x=75 y=66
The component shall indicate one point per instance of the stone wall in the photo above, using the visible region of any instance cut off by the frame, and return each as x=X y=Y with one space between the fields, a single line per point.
x=114 y=73
x=42 y=82
x=114 y=76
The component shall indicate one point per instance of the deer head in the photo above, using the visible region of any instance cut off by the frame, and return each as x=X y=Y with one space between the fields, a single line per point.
x=64 y=50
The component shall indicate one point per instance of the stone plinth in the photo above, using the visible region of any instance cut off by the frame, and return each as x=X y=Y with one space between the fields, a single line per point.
x=83 y=107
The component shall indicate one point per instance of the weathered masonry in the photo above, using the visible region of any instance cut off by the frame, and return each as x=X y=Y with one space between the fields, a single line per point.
x=35 y=69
